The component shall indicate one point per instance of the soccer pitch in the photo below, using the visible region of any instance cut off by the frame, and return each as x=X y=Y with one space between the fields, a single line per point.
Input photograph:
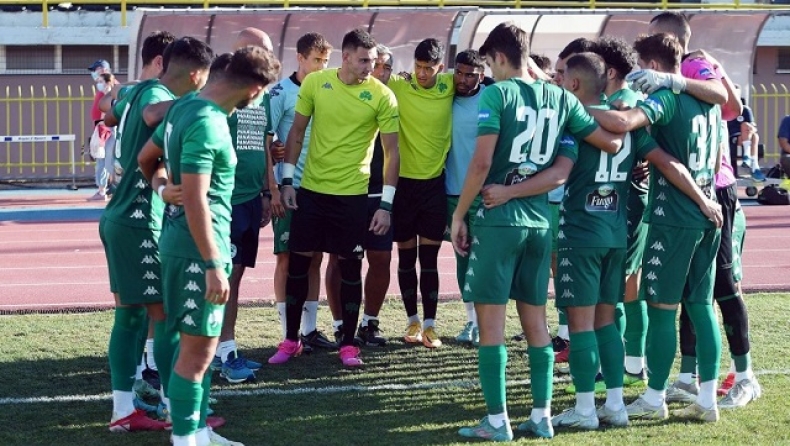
x=56 y=389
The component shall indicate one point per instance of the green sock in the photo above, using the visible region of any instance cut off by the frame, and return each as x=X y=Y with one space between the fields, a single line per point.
x=662 y=344
x=122 y=351
x=206 y=384
x=562 y=316
x=635 y=327
x=688 y=364
x=492 y=362
x=620 y=321
x=462 y=264
x=165 y=346
x=185 y=398
x=610 y=348
x=742 y=362
x=708 y=340
x=142 y=336
x=584 y=361
x=541 y=368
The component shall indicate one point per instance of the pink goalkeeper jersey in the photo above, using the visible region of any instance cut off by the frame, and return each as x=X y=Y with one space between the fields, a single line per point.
x=701 y=69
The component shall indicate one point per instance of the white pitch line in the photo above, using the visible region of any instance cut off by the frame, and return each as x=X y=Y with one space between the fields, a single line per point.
x=460 y=384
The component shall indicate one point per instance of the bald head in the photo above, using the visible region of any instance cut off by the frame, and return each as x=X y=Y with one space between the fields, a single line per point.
x=254 y=37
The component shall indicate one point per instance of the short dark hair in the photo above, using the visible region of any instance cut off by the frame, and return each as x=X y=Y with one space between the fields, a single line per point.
x=618 y=54
x=358 y=38
x=470 y=57
x=429 y=50
x=508 y=39
x=543 y=62
x=219 y=66
x=577 y=46
x=252 y=65
x=673 y=22
x=107 y=77
x=662 y=48
x=312 y=41
x=155 y=44
x=190 y=53
x=590 y=67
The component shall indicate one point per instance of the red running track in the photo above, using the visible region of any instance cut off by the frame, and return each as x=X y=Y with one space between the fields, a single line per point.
x=47 y=264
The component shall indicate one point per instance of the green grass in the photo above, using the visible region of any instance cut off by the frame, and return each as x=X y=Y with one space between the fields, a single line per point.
x=65 y=354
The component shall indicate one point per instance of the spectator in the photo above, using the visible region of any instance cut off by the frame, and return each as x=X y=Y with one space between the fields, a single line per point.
x=784 y=144
x=103 y=79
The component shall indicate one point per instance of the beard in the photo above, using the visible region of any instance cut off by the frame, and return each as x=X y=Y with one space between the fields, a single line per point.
x=243 y=104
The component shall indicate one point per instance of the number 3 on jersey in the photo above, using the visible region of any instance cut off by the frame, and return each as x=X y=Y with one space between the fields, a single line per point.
x=538 y=151
x=609 y=164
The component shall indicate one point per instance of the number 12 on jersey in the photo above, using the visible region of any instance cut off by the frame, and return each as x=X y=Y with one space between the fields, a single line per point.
x=537 y=151
x=609 y=165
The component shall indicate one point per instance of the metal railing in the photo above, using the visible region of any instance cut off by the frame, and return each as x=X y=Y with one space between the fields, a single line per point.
x=44 y=111
x=54 y=111
x=125 y=5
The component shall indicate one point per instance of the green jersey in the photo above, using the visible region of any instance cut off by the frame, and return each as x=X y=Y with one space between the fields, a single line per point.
x=687 y=129
x=630 y=98
x=134 y=203
x=196 y=140
x=529 y=119
x=248 y=129
x=594 y=208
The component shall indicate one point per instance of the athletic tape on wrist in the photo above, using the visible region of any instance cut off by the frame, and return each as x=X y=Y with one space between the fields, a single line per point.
x=159 y=191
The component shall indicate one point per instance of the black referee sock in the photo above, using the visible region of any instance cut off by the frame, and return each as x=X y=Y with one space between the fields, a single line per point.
x=429 y=280
x=736 y=325
x=296 y=287
x=350 y=297
x=407 y=279
x=688 y=338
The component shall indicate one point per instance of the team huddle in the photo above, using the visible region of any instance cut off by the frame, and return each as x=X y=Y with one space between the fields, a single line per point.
x=612 y=175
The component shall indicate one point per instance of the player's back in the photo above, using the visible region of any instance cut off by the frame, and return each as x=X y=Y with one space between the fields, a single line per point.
x=529 y=119
x=689 y=130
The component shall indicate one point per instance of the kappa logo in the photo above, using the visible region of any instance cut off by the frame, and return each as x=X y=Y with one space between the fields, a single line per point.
x=658 y=246
x=651 y=276
x=190 y=303
x=467 y=288
x=148 y=260
x=567 y=294
x=215 y=317
x=192 y=286
x=662 y=181
x=358 y=249
x=141 y=184
x=470 y=272
x=655 y=261
x=149 y=275
x=473 y=256
x=194 y=268
x=284 y=238
x=566 y=262
x=562 y=221
x=651 y=291
x=137 y=214
x=566 y=278
x=561 y=235
x=191 y=322
x=662 y=197
x=659 y=211
x=148 y=244
x=141 y=200
x=475 y=241
x=481 y=212
x=562 y=207
x=151 y=291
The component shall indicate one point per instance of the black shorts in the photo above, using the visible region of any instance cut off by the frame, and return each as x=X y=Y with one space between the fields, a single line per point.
x=335 y=224
x=245 y=226
x=375 y=242
x=420 y=209
x=727 y=198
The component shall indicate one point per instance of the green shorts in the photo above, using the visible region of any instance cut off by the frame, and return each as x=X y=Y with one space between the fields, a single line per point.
x=637 y=232
x=589 y=276
x=133 y=262
x=679 y=264
x=554 y=208
x=508 y=262
x=471 y=214
x=282 y=232
x=738 y=235
x=183 y=283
